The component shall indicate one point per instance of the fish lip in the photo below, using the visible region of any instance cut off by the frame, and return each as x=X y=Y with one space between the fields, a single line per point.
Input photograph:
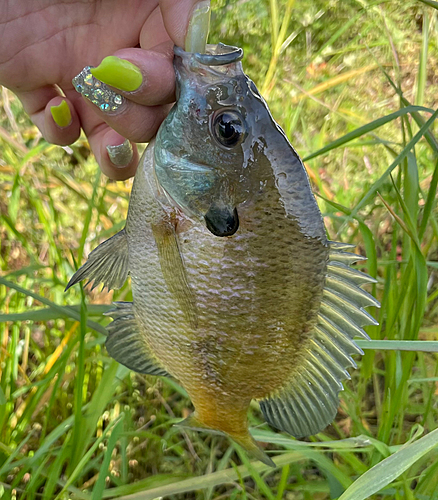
x=228 y=54
x=228 y=221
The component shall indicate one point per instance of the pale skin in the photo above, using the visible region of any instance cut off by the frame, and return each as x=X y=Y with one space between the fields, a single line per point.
x=45 y=43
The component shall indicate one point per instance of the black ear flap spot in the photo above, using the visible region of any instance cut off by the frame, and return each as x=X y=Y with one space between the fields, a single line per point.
x=221 y=221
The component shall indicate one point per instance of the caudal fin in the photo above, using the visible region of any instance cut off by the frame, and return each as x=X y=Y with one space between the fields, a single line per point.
x=244 y=440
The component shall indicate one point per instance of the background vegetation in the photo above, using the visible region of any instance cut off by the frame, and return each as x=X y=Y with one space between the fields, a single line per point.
x=354 y=83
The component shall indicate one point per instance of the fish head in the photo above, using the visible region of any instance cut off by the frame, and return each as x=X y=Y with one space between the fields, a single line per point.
x=219 y=144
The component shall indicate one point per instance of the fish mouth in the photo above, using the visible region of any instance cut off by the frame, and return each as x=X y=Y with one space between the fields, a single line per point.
x=222 y=221
x=215 y=55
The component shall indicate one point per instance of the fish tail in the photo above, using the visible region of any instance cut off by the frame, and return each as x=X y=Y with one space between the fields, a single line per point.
x=243 y=439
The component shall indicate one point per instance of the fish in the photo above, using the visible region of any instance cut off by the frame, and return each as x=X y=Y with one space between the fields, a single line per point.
x=237 y=292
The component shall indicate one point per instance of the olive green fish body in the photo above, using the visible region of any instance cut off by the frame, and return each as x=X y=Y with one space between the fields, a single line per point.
x=237 y=292
x=257 y=296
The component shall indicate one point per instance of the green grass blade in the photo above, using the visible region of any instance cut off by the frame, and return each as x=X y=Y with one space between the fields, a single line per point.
x=211 y=480
x=430 y=3
x=49 y=313
x=3 y=399
x=290 y=443
x=274 y=22
x=283 y=482
x=401 y=156
x=56 y=434
x=54 y=473
x=430 y=202
x=85 y=458
x=366 y=129
x=6 y=465
x=63 y=311
x=422 y=69
x=99 y=401
x=101 y=481
x=390 y=469
x=399 y=345
x=344 y=27
x=261 y=484
x=80 y=390
x=35 y=152
x=429 y=136
x=88 y=217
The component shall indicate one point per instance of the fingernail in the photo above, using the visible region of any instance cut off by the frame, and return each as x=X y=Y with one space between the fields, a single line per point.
x=96 y=91
x=199 y=26
x=118 y=73
x=121 y=154
x=61 y=114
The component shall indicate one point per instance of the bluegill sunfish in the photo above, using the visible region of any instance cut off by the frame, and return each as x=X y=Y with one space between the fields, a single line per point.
x=238 y=294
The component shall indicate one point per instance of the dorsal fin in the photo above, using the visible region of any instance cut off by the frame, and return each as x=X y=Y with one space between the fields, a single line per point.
x=308 y=402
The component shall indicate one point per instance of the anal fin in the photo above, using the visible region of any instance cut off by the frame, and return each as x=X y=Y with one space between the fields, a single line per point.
x=107 y=264
x=126 y=344
x=245 y=440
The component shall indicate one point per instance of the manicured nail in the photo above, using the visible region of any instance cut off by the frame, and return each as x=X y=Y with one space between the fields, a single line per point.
x=96 y=91
x=121 y=154
x=199 y=26
x=61 y=114
x=118 y=73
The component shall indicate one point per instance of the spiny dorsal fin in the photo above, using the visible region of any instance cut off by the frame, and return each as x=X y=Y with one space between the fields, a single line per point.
x=309 y=401
x=107 y=264
x=126 y=344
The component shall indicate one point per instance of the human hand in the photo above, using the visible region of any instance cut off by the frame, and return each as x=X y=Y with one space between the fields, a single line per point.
x=46 y=43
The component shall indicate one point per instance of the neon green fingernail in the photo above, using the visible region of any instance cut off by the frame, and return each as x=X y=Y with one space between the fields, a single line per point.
x=61 y=114
x=118 y=73
x=199 y=27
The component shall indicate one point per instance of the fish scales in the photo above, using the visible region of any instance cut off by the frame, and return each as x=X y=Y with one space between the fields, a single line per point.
x=247 y=288
x=228 y=259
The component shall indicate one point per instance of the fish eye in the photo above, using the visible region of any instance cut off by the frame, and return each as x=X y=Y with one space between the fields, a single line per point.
x=228 y=128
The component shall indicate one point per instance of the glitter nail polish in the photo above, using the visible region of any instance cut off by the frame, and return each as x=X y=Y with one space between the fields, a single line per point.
x=97 y=92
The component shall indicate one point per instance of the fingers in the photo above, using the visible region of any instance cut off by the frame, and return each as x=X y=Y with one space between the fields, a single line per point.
x=153 y=31
x=53 y=114
x=142 y=76
x=131 y=102
x=137 y=113
x=59 y=118
x=61 y=123
x=132 y=120
x=116 y=155
x=176 y=17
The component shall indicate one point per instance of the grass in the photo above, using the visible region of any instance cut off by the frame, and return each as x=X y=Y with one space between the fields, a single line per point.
x=354 y=86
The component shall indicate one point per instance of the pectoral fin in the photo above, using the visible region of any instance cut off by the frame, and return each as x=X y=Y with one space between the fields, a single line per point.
x=107 y=264
x=126 y=344
x=172 y=267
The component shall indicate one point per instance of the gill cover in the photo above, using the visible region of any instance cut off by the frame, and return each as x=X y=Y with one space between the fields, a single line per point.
x=219 y=145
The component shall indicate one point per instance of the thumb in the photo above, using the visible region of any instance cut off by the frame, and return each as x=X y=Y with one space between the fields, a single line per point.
x=177 y=15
